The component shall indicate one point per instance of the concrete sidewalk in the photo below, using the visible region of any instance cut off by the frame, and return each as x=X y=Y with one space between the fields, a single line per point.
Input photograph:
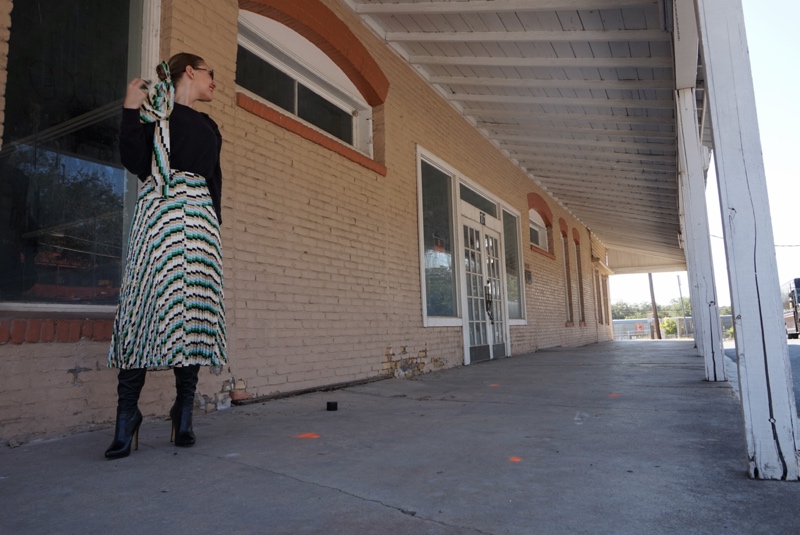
x=622 y=438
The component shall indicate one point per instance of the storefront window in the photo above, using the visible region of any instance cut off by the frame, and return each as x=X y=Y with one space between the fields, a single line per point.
x=62 y=187
x=437 y=217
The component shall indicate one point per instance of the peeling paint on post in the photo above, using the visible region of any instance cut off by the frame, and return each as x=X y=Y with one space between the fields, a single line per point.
x=763 y=359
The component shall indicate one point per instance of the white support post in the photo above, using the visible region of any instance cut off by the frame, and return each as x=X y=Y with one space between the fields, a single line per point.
x=691 y=265
x=768 y=403
x=705 y=309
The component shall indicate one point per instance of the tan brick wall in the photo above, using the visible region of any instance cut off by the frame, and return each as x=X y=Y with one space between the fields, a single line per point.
x=322 y=278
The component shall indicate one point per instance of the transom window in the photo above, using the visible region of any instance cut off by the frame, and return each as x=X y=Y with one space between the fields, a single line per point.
x=279 y=66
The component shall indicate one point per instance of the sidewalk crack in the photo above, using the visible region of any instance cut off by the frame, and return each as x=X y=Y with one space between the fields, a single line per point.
x=407 y=512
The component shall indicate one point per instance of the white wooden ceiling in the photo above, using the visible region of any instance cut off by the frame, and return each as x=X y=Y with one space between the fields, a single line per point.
x=578 y=93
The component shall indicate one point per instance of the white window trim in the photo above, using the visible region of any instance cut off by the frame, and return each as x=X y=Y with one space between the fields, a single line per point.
x=541 y=228
x=275 y=54
x=150 y=57
x=524 y=319
x=437 y=321
x=456 y=180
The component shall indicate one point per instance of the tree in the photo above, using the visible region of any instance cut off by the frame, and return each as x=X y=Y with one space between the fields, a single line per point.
x=669 y=325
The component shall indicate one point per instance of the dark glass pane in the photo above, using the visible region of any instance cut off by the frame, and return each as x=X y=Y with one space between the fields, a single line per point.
x=324 y=115
x=258 y=76
x=511 y=241
x=61 y=183
x=478 y=201
x=437 y=226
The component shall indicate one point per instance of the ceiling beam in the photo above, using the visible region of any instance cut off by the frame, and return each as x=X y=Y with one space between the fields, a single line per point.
x=578 y=131
x=634 y=103
x=611 y=170
x=585 y=143
x=533 y=36
x=597 y=167
x=496 y=6
x=620 y=191
x=592 y=62
x=646 y=248
x=573 y=142
x=644 y=217
x=555 y=116
x=619 y=85
x=574 y=155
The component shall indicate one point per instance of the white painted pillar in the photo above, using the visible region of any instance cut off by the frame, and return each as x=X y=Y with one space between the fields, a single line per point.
x=691 y=266
x=764 y=374
x=705 y=309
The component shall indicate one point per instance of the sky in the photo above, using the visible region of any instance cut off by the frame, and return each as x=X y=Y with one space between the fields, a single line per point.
x=773 y=40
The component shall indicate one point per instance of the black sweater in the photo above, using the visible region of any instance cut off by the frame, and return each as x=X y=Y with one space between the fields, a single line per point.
x=195 y=144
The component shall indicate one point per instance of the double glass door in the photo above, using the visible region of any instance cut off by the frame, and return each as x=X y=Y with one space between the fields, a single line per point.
x=485 y=326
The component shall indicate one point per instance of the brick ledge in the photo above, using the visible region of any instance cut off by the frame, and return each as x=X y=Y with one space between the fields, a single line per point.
x=284 y=121
x=34 y=330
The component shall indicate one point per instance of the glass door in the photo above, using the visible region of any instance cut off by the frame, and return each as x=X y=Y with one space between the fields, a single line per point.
x=485 y=335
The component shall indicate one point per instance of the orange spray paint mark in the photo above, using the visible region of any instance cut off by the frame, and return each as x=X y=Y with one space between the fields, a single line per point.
x=515 y=459
x=494 y=384
x=613 y=395
x=307 y=435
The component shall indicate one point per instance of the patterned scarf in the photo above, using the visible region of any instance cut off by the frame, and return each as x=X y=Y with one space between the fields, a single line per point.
x=157 y=108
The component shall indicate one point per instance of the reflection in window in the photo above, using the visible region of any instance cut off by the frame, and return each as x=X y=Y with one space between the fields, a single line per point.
x=513 y=285
x=61 y=183
x=437 y=228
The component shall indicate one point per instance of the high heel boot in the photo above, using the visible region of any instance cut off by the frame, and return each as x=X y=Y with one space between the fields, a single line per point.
x=129 y=418
x=181 y=411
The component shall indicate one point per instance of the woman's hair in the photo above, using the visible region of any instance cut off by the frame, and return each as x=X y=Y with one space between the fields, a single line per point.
x=177 y=65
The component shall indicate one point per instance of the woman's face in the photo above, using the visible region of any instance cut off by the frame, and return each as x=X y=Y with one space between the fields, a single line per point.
x=202 y=79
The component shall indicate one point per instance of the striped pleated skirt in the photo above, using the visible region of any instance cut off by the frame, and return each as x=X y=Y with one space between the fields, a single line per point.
x=171 y=310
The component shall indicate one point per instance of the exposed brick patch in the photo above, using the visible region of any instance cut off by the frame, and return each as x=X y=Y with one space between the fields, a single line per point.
x=284 y=121
x=103 y=330
x=62 y=331
x=33 y=330
x=48 y=332
x=74 y=330
x=18 y=329
x=5 y=331
x=87 y=326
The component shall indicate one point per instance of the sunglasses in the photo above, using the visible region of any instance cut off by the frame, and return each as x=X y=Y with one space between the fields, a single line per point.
x=209 y=71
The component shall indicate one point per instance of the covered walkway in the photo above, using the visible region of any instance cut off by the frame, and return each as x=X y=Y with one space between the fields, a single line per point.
x=617 y=437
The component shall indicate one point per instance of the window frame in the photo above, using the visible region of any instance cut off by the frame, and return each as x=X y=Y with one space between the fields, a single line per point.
x=439 y=321
x=272 y=52
x=521 y=266
x=143 y=55
x=541 y=228
x=457 y=180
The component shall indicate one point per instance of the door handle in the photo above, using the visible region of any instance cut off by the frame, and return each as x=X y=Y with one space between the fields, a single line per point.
x=487 y=297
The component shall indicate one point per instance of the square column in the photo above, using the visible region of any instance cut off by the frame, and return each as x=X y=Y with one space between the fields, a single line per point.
x=765 y=381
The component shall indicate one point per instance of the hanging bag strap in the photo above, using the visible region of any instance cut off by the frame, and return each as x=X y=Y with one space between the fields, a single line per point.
x=157 y=109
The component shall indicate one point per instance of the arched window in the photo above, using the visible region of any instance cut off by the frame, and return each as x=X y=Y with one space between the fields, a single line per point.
x=279 y=66
x=538 y=230
x=540 y=220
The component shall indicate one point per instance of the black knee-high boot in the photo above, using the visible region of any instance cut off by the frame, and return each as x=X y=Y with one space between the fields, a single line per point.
x=181 y=412
x=129 y=418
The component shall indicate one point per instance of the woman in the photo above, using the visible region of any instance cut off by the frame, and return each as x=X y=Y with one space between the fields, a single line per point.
x=171 y=311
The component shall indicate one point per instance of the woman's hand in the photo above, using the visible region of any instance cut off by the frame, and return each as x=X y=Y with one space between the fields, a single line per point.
x=135 y=94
